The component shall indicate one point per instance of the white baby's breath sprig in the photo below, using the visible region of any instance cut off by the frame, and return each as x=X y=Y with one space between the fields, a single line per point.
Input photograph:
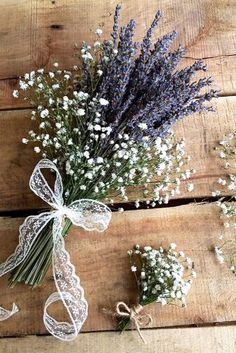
x=66 y=117
x=225 y=250
x=163 y=275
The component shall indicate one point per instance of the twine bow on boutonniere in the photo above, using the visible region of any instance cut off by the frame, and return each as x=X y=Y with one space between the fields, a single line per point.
x=90 y=215
x=135 y=315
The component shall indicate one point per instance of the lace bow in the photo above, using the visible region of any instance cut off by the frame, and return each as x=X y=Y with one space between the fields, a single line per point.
x=88 y=214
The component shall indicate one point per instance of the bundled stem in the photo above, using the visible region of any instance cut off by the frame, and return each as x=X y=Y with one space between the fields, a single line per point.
x=37 y=262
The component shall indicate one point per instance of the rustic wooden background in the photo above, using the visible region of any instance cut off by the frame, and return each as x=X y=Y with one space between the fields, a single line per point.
x=36 y=33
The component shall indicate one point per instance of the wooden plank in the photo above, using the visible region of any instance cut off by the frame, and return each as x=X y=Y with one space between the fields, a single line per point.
x=201 y=133
x=221 y=68
x=41 y=32
x=191 y=340
x=102 y=263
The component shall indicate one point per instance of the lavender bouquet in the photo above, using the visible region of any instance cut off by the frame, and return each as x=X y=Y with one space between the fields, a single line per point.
x=106 y=124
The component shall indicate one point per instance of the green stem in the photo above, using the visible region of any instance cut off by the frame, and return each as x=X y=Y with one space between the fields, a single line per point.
x=35 y=266
x=123 y=324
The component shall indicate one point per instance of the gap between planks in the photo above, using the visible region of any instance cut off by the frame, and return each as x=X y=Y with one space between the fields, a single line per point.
x=128 y=206
x=201 y=133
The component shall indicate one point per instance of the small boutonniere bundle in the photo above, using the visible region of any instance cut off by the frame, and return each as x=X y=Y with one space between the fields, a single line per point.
x=163 y=276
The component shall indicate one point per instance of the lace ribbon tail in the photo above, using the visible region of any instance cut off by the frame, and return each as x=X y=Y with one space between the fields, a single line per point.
x=6 y=314
x=69 y=291
x=28 y=232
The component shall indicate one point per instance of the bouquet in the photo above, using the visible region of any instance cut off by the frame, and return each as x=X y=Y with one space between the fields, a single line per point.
x=102 y=127
x=106 y=124
x=163 y=276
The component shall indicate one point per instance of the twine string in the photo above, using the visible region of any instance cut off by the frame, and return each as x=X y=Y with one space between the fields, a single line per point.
x=135 y=316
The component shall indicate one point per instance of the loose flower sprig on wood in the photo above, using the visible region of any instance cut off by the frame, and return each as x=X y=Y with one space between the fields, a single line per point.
x=225 y=250
x=163 y=275
x=106 y=124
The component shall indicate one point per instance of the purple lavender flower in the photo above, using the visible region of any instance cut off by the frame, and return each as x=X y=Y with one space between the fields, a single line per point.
x=146 y=87
x=115 y=32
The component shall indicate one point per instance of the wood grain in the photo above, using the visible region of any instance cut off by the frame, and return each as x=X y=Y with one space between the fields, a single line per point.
x=102 y=263
x=201 y=133
x=42 y=32
x=221 y=69
x=191 y=340
x=35 y=34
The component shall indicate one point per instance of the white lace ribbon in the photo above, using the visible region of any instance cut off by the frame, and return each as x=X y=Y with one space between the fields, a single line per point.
x=86 y=213
x=5 y=314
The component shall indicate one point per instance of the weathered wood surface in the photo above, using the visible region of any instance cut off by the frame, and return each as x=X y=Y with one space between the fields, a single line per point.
x=46 y=32
x=41 y=32
x=35 y=34
x=221 y=69
x=201 y=132
x=191 y=340
x=102 y=263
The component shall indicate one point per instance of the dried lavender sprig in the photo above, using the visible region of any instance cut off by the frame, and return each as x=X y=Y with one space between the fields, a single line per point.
x=146 y=44
x=118 y=72
x=115 y=32
x=139 y=79
x=141 y=64
x=149 y=91
x=147 y=102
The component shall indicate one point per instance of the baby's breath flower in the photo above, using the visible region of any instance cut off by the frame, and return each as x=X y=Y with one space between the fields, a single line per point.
x=97 y=44
x=219 y=255
x=37 y=149
x=55 y=86
x=190 y=187
x=225 y=251
x=143 y=126
x=81 y=112
x=24 y=86
x=173 y=246
x=99 y=72
x=87 y=56
x=103 y=101
x=44 y=113
x=99 y=31
x=15 y=93
x=163 y=275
